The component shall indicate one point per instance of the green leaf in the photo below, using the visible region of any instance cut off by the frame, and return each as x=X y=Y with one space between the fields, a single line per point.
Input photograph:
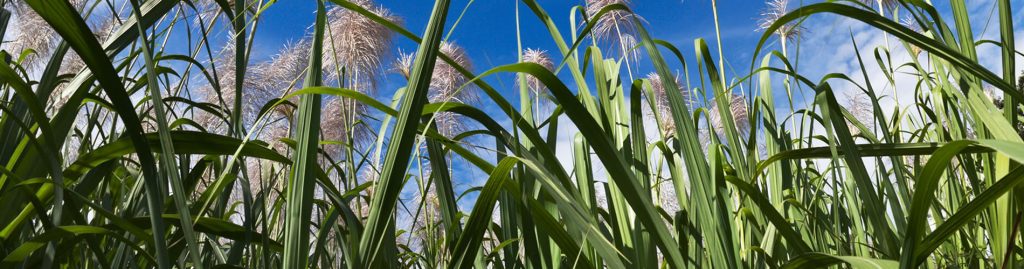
x=300 y=184
x=821 y=260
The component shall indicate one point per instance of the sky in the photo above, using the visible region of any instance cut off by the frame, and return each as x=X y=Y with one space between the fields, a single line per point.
x=487 y=31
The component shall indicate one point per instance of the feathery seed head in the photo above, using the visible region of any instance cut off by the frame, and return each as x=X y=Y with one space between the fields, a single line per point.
x=628 y=43
x=446 y=79
x=285 y=68
x=33 y=33
x=73 y=62
x=357 y=44
x=541 y=58
x=255 y=94
x=661 y=103
x=224 y=65
x=274 y=132
x=615 y=22
x=338 y=120
x=772 y=13
x=209 y=121
x=207 y=10
x=445 y=87
x=445 y=83
x=860 y=106
x=738 y=111
x=617 y=28
x=403 y=64
x=278 y=76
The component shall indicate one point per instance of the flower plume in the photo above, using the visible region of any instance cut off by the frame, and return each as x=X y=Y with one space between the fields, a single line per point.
x=541 y=58
x=354 y=49
x=861 y=108
x=33 y=33
x=445 y=84
x=738 y=111
x=661 y=104
x=614 y=23
x=357 y=44
x=772 y=13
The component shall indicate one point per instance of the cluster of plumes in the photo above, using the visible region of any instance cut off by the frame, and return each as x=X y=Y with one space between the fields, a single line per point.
x=738 y=112
x=615 y=23
x=265 y=178
x=207 y=10
x=354 y=43
x=617 y=27
x=860 y=106
x=263 y=82
x=446 y=79
x=772 y=13
x=281 y=74
x=541 y=58
x=223 y=65
x=72 y=63
x=223 y=71
x=33 y=33
x=661 y=103
x=354 y=52
x=426 y=225
x=339 y=118
x=274 y=132
x=403 y=64
x=445 y=85
x=357 y=44
x=627 y=43
x=284 y=70
x=36 y=34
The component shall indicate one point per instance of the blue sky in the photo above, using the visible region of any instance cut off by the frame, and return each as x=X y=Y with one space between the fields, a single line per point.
x=488 y=33
x=488 y=29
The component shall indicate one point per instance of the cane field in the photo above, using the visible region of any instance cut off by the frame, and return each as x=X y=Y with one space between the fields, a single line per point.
x=538 y=134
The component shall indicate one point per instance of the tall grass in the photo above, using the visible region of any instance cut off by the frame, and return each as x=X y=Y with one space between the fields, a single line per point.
x=119 y=153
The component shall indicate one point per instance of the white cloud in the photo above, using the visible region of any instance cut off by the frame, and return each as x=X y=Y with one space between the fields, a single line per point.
x=828 y=48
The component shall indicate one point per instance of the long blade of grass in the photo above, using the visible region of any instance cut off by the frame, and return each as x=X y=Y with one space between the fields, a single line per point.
x=402 y=138
x=300 y=185
x=62 y=17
